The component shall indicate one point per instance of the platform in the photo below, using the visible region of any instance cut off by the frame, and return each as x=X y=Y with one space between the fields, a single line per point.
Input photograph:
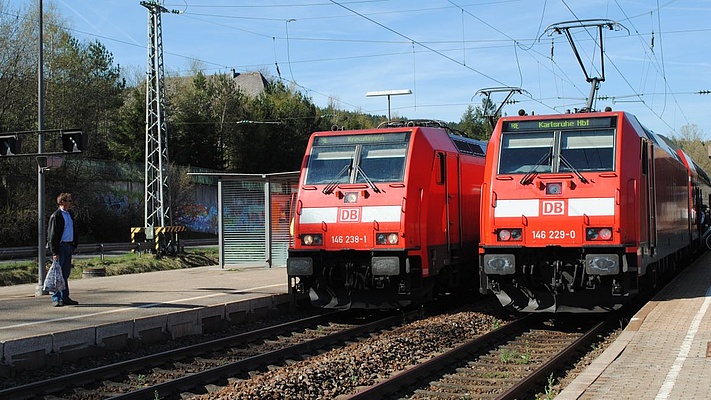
x=664 y=352
x=116 y=310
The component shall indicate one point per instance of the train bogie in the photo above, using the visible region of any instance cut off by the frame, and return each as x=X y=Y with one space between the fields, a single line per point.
x=383 y=217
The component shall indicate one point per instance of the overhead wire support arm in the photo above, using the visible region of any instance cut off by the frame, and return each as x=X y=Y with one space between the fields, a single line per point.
x=564 y=28
x=509 y=90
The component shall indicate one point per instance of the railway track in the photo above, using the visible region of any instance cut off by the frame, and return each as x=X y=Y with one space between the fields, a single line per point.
x=511 y=362
x=170 y=373
x=468 y=353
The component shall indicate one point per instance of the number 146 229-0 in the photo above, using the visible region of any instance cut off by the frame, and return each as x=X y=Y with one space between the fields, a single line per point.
x=553 y=234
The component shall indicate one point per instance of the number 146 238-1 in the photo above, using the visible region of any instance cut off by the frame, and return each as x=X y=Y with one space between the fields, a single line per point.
x=348 y=239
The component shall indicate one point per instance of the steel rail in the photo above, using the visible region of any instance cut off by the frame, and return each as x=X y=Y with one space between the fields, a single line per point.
x=171 y=389
x=64 y=382
x=519 y=390
x=525 y=385
x=402 y=379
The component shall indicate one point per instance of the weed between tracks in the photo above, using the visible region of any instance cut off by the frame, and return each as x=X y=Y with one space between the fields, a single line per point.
x=514 y=356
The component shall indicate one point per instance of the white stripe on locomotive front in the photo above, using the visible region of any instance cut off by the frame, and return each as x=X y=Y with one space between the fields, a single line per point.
x=516 y=208
x=594 y=206
x=368 y=214
x=381 y=214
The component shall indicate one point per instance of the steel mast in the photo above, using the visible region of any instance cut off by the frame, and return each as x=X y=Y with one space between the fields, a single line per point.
x=158 y=212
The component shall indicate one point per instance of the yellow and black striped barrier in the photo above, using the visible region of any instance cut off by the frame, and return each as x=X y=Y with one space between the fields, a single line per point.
x=158 y=235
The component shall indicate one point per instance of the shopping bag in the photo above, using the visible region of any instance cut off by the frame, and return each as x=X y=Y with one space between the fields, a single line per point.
x=54 y=281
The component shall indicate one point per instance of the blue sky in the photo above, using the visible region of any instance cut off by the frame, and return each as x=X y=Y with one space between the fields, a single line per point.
x=656 y=62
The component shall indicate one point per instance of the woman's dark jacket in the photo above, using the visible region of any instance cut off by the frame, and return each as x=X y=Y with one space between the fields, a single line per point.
x=55 y=230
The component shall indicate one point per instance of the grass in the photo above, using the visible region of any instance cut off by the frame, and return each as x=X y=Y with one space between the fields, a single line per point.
x=18 y=273
x=550 y=392
x=514 y=356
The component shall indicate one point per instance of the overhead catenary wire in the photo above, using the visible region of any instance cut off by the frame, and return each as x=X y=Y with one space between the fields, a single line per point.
x=667 y=89
x=433 y=50
x=624 y=78
x=462 y=44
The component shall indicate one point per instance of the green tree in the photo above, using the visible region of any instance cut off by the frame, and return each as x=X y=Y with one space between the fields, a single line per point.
x=193 y=139
x=18 y=69
x=691 y=142
x=127 y=143
x=476 y=121
x=336 y=119
x=229 y=107
x=274 y=138
x=82 y=89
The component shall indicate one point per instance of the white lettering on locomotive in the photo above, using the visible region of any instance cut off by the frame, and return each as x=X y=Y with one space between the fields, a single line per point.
x=556 y=207
x=349 y=215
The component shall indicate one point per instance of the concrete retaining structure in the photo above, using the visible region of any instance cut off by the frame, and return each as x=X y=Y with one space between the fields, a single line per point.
x=55 y=348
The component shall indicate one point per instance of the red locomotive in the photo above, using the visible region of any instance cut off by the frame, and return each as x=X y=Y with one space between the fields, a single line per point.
x=386 y=217
x=582 y=211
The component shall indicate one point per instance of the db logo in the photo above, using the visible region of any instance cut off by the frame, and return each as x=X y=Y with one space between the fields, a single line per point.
x=553 y=207
x=349 y=215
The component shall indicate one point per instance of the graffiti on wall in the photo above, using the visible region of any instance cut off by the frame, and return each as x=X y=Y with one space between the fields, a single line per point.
x=197 y=217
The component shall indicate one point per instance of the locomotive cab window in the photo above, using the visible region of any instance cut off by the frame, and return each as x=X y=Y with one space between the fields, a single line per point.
x=524 y=153
x=325 y=164
x=382 y=163
x=357 y=159
x=587 y=151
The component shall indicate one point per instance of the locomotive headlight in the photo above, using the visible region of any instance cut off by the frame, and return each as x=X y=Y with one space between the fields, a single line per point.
x=602 y=264
x=516 y=234
x=554 y=188
x=506 y=235
x=312 y=239
x=596 y=234
x=605 y=234
x=387 y=238
x=350 y=197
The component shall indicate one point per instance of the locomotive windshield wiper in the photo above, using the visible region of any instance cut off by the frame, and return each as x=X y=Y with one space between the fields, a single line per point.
x=572 y=168
x=328 y=189
x=528 y=178
x=367 y=180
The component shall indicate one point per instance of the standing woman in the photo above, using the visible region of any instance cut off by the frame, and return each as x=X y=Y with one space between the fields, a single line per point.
x=62 y=242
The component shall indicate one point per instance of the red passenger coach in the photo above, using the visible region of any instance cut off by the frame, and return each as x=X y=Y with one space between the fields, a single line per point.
x=582 y=211
x=386 y=217
x=699 y=197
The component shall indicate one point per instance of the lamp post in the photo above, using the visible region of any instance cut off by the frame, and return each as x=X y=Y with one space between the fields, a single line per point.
x=41 y=234
x=388 y=93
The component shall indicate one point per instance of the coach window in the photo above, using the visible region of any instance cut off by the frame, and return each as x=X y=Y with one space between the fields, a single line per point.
x=522 y=153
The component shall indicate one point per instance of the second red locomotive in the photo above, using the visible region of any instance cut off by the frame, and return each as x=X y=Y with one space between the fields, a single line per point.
x=582 y=211
x=386 y=217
